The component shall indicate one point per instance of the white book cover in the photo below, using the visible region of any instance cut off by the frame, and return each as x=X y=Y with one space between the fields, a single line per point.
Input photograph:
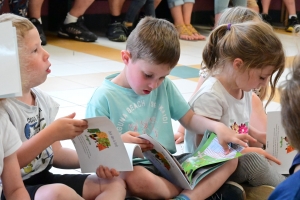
x=101 y=144
x=277 y=143
x=10 y=76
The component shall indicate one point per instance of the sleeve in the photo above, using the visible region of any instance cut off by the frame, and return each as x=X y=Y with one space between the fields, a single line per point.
x=98 y=105
x=296 y=162
x=11 y=140
x=178 y=105
x=209 y=105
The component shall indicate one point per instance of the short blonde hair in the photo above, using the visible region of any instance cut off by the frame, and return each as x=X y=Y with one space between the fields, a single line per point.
x=290 y=106
x=155 y=41
x=253 y=42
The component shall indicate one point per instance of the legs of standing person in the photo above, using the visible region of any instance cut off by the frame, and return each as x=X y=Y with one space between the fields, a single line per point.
x=181 y=12
x=252 y=4
x=17 y=7
x=265 y=11
x=34 y=15
x=73 y=26
x=116 y=31
x=134 y=9
x=219 y=6
x=293 y=19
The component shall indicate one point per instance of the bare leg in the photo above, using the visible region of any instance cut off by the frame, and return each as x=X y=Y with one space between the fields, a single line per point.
x=177 y=15
x=156 y=3
x=79 y=7
x=96 y=188
x=290 y=6
x=187 y=9
x=34 y=8
x=211 y=183
x=115 y=7
x=265 y=6
x=56 y=191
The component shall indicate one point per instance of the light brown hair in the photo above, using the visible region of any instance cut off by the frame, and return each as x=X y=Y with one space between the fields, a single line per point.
x=253 y=42
x=290 y=106
x=155 y=41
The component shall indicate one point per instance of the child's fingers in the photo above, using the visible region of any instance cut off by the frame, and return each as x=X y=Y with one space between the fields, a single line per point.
x=114 y=172
x=100 y=172
x=272 y=158
x=225 y=146
x=246 y=137
x=179 y=140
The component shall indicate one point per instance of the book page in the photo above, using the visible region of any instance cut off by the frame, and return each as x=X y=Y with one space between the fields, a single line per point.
x=207 y=154
x=168 y=166
x=101 y=144
x=9 y=56
x=277 y=143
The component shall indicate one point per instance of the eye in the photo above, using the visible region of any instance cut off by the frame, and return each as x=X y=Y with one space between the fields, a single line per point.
x=148 y=76
x=162 y=78
x=34 y=51
x=262 y=78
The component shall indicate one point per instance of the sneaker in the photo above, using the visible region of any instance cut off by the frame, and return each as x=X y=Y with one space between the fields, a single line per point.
x=39 y=27
x=267 y=18
x=77 y=31
x=291 y=24
x=116 y=32
x=259 y=192
x=229 y=191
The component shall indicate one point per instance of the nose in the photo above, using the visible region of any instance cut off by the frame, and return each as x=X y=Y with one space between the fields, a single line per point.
x=46 y=54
x=153 y=85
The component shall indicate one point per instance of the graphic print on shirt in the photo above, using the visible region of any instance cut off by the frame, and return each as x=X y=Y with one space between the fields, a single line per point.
x=145 y=125
x=34 y=125
x=240 y=129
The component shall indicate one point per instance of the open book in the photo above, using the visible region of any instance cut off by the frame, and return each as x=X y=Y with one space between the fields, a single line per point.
x=101 y=144
x=277 y=143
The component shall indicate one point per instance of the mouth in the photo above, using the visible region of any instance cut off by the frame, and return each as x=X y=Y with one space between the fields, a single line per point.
x=48 y=70
x=146 y=91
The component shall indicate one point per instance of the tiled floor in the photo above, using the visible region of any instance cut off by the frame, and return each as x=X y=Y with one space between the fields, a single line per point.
x=78 y=68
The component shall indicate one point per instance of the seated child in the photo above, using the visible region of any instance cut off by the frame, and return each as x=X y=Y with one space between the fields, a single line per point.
x=290 y=115
x=33 y=116
x=12 y=184
x=142 y=100
x=228 y=100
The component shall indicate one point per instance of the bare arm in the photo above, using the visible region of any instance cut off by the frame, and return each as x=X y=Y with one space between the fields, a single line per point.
x=60 y=129
x=13 y=186
x=199 y=124
x=64 y=158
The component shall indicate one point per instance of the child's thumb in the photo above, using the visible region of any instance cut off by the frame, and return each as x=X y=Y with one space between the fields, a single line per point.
x=225 y=147
x=71 y=116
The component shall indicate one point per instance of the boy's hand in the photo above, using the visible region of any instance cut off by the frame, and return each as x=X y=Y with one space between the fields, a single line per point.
x=133 y=137
x=105 y=172
x=226 y=135
x=67 y=127
x=261 y=152
x=179 y=137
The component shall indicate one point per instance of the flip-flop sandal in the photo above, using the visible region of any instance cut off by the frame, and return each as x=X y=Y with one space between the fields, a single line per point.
x=183 y=31
x=195 y=32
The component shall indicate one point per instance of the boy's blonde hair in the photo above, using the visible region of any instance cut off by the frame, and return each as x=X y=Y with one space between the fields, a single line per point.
x=155 y=41
x=23 y=25
x=238 y=14
x=290 y=106
x=253 y=42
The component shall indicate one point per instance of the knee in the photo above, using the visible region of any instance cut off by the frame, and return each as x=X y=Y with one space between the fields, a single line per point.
x=56 y=191
x=254 y=163
x=139 y=180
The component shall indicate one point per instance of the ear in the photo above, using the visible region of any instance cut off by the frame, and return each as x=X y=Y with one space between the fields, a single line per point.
x=125 y=56
x=237 y=63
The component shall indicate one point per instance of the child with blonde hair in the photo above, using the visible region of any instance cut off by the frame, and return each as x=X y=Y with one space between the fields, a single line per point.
x=149 y=100
x=290 y=117
x=33 y=116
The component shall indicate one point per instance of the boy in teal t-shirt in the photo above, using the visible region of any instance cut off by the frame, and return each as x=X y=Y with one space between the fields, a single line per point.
x=142 y=100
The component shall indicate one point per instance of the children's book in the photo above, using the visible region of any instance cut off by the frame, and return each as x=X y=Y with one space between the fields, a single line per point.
x=101 y=144
x=277 y=143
